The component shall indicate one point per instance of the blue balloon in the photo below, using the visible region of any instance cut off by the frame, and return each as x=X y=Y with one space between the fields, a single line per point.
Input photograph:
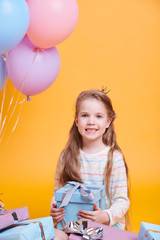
x=14 y=22
x=3 y=72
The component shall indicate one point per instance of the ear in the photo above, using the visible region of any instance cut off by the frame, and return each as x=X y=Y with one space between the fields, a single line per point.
x=76 y=120
x=108 y=122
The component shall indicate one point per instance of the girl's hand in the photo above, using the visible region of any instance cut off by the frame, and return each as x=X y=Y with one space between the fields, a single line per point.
x=96 y=216
x=57 y=213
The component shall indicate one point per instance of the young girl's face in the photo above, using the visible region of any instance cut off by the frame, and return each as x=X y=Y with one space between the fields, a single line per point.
x=92 y=120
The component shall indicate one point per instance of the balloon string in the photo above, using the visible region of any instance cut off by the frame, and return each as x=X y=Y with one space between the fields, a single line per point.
x=4 y=93
x=37 y=50
x=17 y=117
x=4 y=89
x=11 y=117
x=7 y=111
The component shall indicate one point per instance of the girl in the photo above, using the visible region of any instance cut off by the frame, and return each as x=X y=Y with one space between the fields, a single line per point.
x=92 y=156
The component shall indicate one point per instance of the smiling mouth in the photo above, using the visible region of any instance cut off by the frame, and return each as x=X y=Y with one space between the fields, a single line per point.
x=91 y=130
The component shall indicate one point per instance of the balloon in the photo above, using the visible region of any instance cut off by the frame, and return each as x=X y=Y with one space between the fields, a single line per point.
x=32 y=70
x=51 y=21
x=3 y=72
x=14 y=22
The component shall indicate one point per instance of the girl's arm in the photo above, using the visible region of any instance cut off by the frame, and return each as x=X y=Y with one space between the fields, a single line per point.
x=119 y=198
x=118 y=191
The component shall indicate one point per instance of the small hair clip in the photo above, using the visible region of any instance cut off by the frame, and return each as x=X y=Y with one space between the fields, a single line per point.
x=104 y=90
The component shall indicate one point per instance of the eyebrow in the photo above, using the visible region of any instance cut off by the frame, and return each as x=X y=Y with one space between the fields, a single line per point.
x=83 y=112
x=98 y=113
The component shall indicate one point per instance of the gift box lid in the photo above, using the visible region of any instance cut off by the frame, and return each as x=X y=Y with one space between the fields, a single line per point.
x=76 y=197
x=21 y=213
x=9 y=217
x=30 y=231
x=146 y=228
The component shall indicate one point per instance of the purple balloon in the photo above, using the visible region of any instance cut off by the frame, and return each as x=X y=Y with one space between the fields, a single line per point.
x=32 y=70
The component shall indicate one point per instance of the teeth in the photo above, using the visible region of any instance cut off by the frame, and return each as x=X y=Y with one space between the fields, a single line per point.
x=91 y=130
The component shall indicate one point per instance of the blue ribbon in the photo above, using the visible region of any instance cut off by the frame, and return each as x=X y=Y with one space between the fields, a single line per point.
x=84 y=191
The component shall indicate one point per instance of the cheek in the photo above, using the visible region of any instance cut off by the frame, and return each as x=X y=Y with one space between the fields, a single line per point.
x=79 y=124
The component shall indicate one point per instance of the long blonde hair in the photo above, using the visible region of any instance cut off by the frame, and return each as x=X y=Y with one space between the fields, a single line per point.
x=70 y=155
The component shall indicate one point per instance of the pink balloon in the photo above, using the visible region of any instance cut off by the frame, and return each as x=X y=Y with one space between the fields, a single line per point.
x=51 y=21
x=32 y=70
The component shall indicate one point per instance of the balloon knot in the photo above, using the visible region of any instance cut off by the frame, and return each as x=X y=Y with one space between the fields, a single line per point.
x=28 y=98
x=36 y=50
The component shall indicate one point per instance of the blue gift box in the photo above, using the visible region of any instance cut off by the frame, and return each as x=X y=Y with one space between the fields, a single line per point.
x=29 y=230
x=149 y=231
x=78 y=201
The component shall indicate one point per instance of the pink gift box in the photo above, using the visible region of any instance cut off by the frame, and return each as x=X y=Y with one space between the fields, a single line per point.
x=9 y=217
x=109 y=233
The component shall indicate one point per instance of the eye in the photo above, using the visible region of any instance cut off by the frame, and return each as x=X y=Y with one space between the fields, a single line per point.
x=99 y=116
x=84 y=115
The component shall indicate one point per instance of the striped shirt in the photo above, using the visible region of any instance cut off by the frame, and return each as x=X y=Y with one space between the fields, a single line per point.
x=92 y=172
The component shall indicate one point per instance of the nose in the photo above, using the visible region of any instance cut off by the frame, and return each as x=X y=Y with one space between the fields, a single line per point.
x=91 y=121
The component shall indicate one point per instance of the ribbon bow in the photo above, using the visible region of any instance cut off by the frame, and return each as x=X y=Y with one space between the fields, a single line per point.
x=84 y=191
x=80 y=227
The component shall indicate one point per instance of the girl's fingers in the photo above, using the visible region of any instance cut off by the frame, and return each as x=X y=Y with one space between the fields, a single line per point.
x=57 y=210
x=82 y=218
x=89 y=215
x=86 y=213
x=58 y=218
x=54 y=205
x=96 y=208
x=58 y=213
x=86 y=217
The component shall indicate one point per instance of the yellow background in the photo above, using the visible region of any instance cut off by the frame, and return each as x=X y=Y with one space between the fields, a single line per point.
x=115 y=44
